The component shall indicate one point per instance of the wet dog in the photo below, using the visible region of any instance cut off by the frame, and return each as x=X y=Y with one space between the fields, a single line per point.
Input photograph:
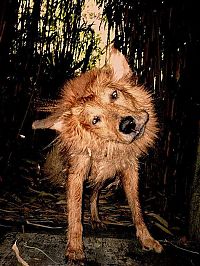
x=105 y=123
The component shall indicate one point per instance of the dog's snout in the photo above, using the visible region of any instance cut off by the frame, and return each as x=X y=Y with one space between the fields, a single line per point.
x=127 y=125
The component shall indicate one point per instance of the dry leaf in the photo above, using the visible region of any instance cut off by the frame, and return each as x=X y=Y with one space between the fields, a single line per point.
x=159 y=218
x=16 y=250
x=164 y=229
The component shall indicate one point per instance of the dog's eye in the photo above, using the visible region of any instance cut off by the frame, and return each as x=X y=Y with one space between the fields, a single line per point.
x=114 y=95
x=95 y=120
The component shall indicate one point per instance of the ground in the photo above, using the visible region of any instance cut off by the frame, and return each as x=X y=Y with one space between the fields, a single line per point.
x=38 y=224
x=36 y=219
x=47 y=249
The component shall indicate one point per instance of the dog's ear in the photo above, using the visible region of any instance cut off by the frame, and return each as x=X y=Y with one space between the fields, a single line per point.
x=119 y=64
x=47 y=123
x=54 y=123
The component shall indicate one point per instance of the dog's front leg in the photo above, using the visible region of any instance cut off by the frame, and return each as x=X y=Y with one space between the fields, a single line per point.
x=130 y=184
x=74 y=190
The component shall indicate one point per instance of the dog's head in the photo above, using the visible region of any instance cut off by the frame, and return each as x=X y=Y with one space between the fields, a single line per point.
x=107 y=103
x=112 y=114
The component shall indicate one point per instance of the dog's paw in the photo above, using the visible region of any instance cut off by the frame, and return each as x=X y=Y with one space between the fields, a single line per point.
x=98 y=224
x=75 y=257
x=147 y=241
x=152 y=244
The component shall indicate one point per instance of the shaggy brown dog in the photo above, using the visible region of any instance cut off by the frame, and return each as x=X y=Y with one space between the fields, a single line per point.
x=105 y=122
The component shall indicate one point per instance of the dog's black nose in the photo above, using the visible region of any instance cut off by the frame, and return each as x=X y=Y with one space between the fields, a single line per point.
x=127 y=125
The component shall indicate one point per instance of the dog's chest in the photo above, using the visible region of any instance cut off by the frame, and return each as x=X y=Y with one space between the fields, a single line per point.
x=107 y=162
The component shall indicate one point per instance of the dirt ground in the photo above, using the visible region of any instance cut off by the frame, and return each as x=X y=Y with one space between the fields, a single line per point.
x=36 y=219
x=47 y=249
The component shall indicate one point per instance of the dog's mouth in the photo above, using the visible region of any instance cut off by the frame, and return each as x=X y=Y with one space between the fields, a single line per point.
x=138 y=133
x=133 y=128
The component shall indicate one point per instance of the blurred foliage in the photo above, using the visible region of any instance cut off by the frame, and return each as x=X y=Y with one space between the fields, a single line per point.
x=43 y=43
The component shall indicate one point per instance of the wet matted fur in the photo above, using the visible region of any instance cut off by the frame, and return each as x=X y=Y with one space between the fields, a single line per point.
x=105 y=122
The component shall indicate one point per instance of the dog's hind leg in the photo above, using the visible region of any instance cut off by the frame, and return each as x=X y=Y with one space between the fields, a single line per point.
x=95 y=220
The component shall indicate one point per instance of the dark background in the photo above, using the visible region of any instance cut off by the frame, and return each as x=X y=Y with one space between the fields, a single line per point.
x=161 y=41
